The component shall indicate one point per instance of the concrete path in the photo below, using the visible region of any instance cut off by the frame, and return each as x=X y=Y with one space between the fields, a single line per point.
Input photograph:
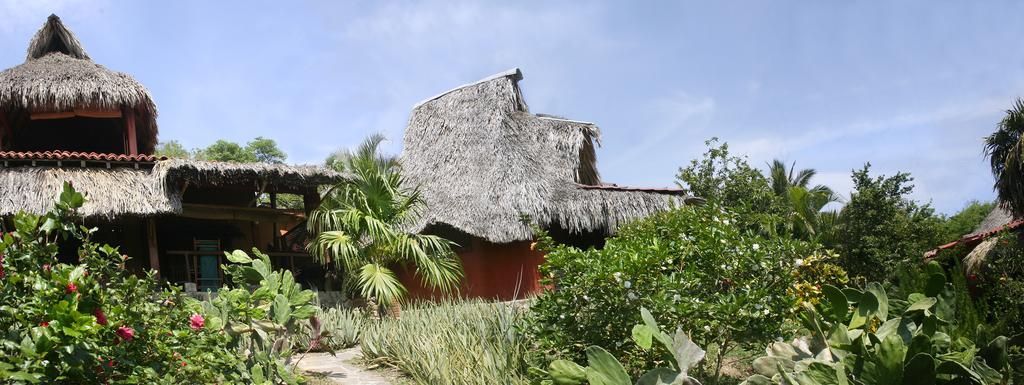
x=341 y=369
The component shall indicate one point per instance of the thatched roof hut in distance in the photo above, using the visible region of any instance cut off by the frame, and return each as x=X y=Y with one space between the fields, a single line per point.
x=59 y=80
x=483 y=161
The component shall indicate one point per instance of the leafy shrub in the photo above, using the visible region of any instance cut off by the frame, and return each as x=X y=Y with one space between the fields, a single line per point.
x=93 y=322
x=339 y=328
x=1000 y=283
x=881 y=227
x=692 y=266
x=853 y=339
x=260 y=323
x=452 y=343
x=814 y=271
x=604 y=369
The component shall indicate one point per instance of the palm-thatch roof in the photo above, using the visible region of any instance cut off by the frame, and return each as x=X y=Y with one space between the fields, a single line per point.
x=263 y=176
x=109 y=192
x=482 y=160
x=59 y=76
x=145 y=191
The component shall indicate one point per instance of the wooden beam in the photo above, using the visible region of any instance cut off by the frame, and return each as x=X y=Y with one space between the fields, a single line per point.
x=108 y=114
x=129 y=132
x=235 y=213
x=51 y=115
x=85 y=113
x=154 y=253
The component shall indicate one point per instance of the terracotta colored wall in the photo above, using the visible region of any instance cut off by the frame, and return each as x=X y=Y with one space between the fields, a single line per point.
x=493 y=271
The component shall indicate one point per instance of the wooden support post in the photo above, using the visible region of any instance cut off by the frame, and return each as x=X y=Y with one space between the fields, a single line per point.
x=132 y=140
x=4 y=128
x=310 y=201
x=154 y=254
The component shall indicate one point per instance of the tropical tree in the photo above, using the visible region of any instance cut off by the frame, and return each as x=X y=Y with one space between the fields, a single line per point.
x=805 y=202
x=360 y=228
x=1004 y=148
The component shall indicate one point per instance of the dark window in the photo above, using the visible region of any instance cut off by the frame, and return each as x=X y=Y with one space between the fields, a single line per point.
x=104 y=135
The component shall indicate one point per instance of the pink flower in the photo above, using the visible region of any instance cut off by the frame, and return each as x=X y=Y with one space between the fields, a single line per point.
x=71 y=288
x=46 y=267
x=197 y=321
x=44 y=324
x=126 y=333
x=100 y=317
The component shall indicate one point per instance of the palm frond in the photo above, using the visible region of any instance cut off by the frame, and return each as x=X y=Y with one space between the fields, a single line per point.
x=377 y=281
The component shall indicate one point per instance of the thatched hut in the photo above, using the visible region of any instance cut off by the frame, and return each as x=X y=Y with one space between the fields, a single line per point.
x=64 y=118
x=483 y=162
x=982 y=240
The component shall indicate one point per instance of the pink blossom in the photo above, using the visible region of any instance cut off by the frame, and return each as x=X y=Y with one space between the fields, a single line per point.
x=126 y=333
x=197 y=321
x=100 y=317
x=71 y=288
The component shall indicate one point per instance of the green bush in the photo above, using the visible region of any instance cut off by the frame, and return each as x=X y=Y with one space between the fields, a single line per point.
x=260 y=314
x=92 y=322
x=452 y=343
x=692 y=266
x=866 y=337
x=999 y=282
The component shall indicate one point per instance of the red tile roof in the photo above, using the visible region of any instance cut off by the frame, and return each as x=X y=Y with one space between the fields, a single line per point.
x=74 y=155
x=975 y=238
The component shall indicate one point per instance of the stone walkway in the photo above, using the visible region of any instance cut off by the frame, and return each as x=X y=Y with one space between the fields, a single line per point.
x=340 y=369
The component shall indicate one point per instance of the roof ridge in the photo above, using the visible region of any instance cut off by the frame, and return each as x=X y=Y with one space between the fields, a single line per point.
x=53 y=36
x=514 y=73
x=548 y=117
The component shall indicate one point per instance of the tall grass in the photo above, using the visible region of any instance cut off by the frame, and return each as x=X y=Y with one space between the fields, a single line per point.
x=452 y=343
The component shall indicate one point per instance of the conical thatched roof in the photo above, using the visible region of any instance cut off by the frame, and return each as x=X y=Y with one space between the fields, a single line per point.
x=59 y=76
x=483 y=160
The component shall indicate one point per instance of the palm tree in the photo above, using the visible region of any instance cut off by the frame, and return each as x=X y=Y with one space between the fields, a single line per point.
x=1004 y=149
x=805 y=203
x=782 y=179
x=359 y=229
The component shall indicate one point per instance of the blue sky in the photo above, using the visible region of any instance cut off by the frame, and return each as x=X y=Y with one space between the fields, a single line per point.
x=911 y=86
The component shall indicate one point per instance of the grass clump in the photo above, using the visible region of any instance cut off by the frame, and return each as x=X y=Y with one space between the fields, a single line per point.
x=452 y=343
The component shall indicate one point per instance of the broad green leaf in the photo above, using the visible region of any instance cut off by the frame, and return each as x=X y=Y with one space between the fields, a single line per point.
x=238 y=256
x=920 y=370
x=935 y=284
x=686 y=352
x=924 y=303
x=658 y=376
x=957 y=370
x=281 y=309
x=758 y=379
x=838 y=304
x=820 y=373
x=866 y=308
x=565 y=372
x=883 y=300
x=642 y=335
x=609 y=370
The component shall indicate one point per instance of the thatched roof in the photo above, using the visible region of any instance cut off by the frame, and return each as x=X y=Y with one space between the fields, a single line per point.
x=59 y=76
x=273 y=177
x=996 y=218
x=145 y=191
x=109 y=192
x=483 y=160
